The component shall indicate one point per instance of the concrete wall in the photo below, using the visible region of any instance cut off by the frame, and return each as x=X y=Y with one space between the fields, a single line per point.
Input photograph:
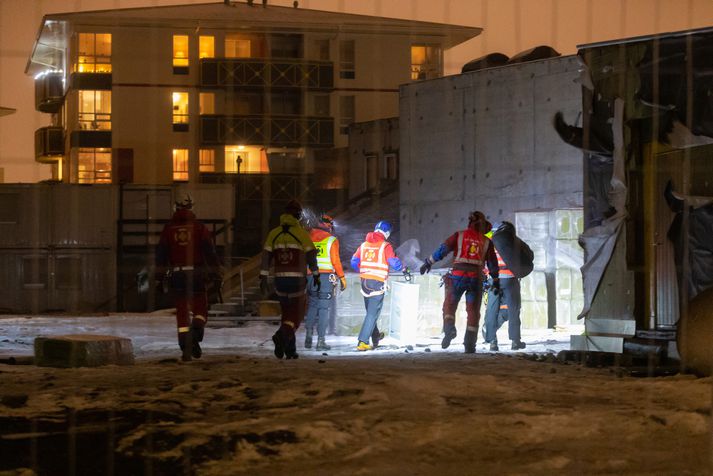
x=484 y=140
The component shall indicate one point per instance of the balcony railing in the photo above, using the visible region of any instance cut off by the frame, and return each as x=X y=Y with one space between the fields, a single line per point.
x=264 y=73
x=49 y=93
x=49 y=144
x=276 y=131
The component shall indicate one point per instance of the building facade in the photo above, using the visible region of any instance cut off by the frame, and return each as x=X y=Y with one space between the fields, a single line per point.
x=198 y=93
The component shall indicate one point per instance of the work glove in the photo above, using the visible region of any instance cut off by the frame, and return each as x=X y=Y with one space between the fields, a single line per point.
x=342 y=283
x=316 y=281
x=426 y=266
x=264 y=285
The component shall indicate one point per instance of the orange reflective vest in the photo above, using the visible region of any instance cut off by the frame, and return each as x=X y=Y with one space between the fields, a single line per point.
x=373 y=264
x=503 y=268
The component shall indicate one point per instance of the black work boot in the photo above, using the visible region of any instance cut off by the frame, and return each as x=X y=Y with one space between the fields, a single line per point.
x=308 y=339
x=185 y=342
x=517 y=345
x=450 y=333
x=279 y=346
x=494 y=346
x=291 y=346
x=376 y=336
x=197 y=338
x=469 y=342
x=322 y=345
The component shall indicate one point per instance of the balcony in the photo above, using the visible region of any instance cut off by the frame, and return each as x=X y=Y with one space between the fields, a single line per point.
x=49 y=93
x=255 y=73
x=274 y=131
x=91 y=81
x=49 y=144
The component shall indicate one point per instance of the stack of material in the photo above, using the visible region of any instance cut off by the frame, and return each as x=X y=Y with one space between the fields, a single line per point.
x=552 y=293
x=569 y=257
x=534 y=229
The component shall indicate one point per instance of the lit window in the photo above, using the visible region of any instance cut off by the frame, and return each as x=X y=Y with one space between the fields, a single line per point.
x=206 y=47
x=237 y=46
x=206 y=160
x=245 y=160
x=180 y=165
x=180 y=108
x=95 y=110
x=93 y=53
x=207 y=103
x=94 y=165
x=347 y=113
x=180 y=51
x=347 y=65
x=425 y=62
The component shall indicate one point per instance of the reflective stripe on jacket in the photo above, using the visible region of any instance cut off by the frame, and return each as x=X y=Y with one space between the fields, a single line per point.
x=373 y=263
x=503 y=267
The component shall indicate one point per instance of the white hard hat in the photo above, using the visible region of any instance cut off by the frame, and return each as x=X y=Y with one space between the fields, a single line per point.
x=184 y=200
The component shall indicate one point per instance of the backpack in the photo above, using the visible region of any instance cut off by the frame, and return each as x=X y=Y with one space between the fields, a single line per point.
x=516 y=253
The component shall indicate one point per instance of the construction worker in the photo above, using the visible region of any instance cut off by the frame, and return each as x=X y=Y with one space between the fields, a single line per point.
x=372 y=260
x=289 y=251
x=320 y=301
x=471 y=249
x=186 y=256
x=505 y=304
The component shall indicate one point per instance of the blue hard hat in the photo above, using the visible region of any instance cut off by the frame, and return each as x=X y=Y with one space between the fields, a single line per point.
x=384 y=227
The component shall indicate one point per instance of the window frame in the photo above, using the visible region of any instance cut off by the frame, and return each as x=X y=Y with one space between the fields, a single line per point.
x=92 y=65
x=180 y=174
x=93 y=120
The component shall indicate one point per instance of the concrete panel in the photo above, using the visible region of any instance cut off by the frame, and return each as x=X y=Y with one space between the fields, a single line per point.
x=485 y=140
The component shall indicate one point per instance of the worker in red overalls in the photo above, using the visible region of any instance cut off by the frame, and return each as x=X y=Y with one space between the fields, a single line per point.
x=288 y=251
x=186 y=256
x=372 y=260
x=471 y=249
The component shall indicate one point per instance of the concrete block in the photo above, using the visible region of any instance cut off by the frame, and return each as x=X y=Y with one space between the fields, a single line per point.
x=619 y=327
x=597 y=343
x=83 y=350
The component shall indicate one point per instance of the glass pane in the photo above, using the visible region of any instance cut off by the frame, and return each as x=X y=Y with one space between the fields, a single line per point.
x=180 y=107
x=207 y=103
x=206 y=47
x=180 y=164
x=180 y=50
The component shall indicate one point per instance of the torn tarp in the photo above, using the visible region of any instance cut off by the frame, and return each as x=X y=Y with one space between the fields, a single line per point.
x=599 y=241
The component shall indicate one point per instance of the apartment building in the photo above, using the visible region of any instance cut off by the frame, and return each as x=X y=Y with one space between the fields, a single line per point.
x=211 y=92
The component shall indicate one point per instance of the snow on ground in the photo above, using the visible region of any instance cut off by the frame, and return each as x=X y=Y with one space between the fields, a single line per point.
x=426 y=411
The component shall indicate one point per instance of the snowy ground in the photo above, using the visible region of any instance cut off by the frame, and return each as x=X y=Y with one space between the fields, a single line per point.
x=391 y=411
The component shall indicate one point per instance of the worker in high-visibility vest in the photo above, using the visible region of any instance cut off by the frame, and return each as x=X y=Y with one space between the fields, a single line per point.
x=471 y=250
x=319 y=302
x=289 y=251
x=503 y=305
x=372 y=260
